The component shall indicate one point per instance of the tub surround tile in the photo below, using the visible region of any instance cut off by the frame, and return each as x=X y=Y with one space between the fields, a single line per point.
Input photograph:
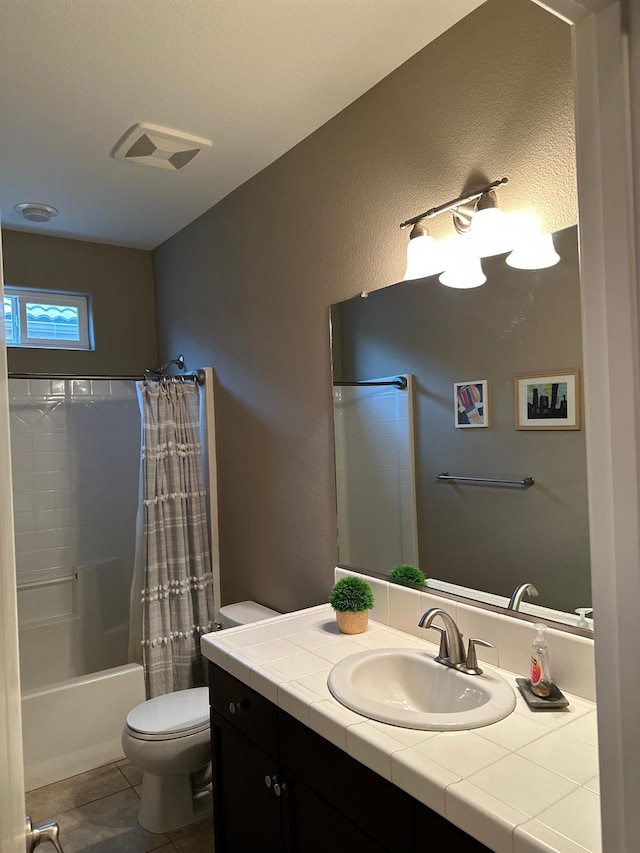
x=76 y=791
x=484 y=817
x=492 y=782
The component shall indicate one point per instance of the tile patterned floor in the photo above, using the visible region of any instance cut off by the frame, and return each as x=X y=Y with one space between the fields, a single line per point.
x=98 y=813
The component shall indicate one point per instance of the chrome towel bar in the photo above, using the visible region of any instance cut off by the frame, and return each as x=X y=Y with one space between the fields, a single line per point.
x=526 y=481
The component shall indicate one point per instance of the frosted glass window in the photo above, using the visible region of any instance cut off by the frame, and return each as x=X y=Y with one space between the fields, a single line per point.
x=11 y=329
x=47 y=319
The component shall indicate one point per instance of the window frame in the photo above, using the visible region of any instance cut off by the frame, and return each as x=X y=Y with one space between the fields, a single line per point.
x=80 y=301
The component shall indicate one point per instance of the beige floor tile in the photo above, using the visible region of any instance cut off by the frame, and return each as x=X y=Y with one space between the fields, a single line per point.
x=131 y=773
x=109 y=825
x=59 y=797
x=194 y=839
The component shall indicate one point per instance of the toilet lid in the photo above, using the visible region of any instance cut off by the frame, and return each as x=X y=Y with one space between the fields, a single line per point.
x=172 y=713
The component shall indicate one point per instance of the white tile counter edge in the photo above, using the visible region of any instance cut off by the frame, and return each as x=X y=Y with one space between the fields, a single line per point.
x=491 y=782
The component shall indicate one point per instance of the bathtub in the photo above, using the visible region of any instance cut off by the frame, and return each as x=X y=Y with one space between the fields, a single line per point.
x=75 y=725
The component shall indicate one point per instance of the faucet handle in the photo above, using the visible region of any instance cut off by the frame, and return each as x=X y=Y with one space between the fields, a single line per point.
x=471 y=666
x=443 y=651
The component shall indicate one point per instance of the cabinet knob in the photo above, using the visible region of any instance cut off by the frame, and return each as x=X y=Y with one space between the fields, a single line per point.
x=267 y=781
x=279 y=789
x=235 y=706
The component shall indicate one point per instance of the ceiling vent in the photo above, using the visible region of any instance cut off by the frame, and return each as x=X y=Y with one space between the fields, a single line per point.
x=150 y=145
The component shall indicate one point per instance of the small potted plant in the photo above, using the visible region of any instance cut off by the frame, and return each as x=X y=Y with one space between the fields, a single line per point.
x=407 y=574
x=352 y=599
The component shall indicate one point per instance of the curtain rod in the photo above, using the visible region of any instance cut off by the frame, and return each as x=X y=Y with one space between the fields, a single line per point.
x=197 y=376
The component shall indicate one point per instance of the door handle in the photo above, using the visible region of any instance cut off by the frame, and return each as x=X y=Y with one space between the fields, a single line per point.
x=35 y=835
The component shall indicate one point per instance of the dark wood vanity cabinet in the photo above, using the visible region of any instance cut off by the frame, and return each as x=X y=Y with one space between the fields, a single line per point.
x=281 y=788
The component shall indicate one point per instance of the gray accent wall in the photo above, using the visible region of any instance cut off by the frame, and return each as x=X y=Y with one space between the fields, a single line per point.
x=120 y=283
x=247 y=286
x=519 y=322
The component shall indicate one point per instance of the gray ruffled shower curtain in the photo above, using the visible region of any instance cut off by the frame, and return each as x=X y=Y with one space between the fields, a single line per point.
x=172 y=588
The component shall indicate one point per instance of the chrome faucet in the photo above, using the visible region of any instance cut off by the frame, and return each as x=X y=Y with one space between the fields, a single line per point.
x=451 y=652
x=519 y=592
x=451 y=648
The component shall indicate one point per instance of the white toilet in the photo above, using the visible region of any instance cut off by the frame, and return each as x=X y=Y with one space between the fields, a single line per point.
x=168 y=738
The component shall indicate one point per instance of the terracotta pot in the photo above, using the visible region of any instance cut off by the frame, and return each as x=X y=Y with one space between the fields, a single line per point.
x=352 y=623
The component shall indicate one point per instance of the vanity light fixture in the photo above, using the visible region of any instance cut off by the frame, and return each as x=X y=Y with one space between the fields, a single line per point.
x=424 y=257
x=483 y=231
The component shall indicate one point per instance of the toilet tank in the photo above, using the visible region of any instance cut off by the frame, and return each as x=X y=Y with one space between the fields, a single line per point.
x=244 y=612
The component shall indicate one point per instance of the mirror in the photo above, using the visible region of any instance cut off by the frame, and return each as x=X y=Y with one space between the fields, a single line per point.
x=476 y=539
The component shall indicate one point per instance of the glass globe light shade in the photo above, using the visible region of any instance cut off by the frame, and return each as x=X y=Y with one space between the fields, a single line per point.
x=532 y=248
x=424 y=255
x=490 y=232
x=463 y=270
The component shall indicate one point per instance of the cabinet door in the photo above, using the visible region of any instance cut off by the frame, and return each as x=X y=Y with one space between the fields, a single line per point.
x=317 y=827
x=434 y=832
x=247 y=813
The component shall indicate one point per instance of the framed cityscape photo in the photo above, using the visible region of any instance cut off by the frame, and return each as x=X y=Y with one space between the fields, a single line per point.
x=470 y=402
x=548 y=400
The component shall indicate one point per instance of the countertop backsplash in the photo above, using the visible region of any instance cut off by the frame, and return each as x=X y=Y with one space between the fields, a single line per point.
x=571 y=656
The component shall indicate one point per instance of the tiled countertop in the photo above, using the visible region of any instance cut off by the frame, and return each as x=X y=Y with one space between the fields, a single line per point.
x=528 y=784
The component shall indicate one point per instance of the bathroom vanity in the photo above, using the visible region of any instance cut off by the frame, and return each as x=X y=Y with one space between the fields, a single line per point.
x=296 y=771
x=279 y=786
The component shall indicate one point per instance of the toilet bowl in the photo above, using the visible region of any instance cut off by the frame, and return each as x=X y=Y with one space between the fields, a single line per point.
x=168 y=738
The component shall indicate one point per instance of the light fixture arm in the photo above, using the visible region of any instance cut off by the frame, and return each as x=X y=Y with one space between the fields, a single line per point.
x=454 y=205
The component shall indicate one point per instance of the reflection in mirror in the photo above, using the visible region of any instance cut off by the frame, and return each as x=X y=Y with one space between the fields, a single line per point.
x=476 y=539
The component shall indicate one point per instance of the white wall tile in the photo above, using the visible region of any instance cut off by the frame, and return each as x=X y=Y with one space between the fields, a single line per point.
x=480 y=624
x=405 y=609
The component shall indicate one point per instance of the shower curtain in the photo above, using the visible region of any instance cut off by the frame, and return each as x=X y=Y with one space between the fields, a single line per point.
x=173 y=563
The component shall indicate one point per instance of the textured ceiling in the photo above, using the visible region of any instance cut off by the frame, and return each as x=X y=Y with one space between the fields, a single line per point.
x=254 y=76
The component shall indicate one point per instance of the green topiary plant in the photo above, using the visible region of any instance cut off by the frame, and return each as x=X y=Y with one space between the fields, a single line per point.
x=351 y=595
x=407 y=574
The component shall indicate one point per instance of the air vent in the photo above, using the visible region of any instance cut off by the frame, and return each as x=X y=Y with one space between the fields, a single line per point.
x=150 y=145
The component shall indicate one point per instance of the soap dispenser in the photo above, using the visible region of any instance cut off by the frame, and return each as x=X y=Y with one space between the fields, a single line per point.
x=539 y=672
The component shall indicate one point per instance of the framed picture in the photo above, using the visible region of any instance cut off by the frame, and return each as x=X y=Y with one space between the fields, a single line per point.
x=548 y=400
x=470 y=400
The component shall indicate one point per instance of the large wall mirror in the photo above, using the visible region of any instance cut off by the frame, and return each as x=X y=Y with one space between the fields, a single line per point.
x=475 y=538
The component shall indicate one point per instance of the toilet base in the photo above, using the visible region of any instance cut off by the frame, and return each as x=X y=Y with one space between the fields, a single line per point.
x=168 y=803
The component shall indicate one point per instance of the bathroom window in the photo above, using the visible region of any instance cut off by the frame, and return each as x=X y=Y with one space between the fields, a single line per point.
x=47 y=319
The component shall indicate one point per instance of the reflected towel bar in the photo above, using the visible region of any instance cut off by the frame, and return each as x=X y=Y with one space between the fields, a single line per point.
x=526 y=481
x=400 y=383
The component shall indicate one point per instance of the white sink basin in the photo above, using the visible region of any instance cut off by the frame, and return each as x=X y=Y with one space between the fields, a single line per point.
x=406 y=687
